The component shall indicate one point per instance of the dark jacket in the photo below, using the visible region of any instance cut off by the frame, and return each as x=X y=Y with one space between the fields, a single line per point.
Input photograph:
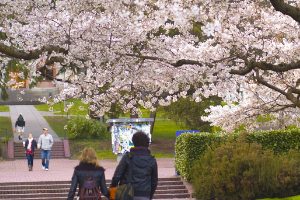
x=144 y=172
x=79 y=176
x=34 y=145
x=20 y=122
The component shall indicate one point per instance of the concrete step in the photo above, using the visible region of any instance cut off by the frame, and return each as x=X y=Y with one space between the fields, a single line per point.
x=57 y=151
x=66 y=190
x=5 y=188
x=168 y=188
x=64 y=195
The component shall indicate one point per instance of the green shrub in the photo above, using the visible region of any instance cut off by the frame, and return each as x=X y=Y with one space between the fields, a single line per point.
x=239 y=170
x=5 y=140
x=80 y=127
x=278 y=141
x=189 y=147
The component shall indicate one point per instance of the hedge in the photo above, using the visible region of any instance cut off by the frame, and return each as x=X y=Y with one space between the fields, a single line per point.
x=278 y=141
x=190 y=146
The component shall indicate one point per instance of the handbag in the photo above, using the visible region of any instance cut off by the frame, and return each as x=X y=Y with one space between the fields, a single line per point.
x=125 y=191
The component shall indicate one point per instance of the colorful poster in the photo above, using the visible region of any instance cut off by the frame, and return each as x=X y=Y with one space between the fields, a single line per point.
x=121 y=136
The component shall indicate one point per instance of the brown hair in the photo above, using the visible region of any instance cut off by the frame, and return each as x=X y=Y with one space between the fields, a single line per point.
x=89 y=155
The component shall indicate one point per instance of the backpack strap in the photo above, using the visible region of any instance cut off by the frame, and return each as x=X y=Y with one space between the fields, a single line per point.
x=91 y=176
x=130 y=167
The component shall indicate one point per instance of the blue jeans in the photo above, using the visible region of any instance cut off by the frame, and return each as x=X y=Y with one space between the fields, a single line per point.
x=30 y=159
x=46 y=155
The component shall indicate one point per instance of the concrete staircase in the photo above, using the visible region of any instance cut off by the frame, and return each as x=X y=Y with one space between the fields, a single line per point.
x=57 y=151
x=168 y=188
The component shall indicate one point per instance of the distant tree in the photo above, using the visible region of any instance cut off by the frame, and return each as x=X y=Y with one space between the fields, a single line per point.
x=187 y=114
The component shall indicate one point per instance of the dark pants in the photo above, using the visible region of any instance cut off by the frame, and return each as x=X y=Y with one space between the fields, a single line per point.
x=30 y=159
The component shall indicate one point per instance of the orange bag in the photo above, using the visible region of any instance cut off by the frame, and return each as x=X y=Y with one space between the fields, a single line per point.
x=112 y=193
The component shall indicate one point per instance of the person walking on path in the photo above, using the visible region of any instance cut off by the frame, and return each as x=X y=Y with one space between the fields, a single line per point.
x=30 y=145
x=144 y=169
x=45 y=142
x=88 y=165
x=20 y=123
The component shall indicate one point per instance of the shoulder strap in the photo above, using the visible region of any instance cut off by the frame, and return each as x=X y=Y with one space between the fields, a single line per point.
x=91 y=176
x=130 y=167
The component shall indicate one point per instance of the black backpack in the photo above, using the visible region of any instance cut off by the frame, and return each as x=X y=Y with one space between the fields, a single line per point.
x=89 y=189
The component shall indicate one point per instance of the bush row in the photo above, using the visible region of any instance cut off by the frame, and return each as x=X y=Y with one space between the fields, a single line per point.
x=189 y=147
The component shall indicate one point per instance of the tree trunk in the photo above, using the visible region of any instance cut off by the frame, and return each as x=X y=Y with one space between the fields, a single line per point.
x=152 y=115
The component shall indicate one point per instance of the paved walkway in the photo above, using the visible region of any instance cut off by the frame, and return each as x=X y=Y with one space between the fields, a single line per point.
x=62 y=170
x=35 y=122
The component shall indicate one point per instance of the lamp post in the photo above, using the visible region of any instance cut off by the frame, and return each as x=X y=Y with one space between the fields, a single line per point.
x=65 y=128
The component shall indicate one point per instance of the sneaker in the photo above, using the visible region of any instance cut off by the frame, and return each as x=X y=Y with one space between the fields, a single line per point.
x=47 y=169
x=44 y=167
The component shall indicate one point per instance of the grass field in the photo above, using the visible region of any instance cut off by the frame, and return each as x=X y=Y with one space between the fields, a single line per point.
x=58 y=108
x=5 y=123
x=57 y=124
x=163 y=129
x=4 y=108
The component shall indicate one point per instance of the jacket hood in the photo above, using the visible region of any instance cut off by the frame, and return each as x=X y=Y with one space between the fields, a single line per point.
x=141 y=156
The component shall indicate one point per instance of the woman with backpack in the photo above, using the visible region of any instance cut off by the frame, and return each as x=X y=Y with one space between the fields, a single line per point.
x=90 y=177
x=143 y=168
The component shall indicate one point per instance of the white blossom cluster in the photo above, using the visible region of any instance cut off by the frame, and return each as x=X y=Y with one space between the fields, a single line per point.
x=123 y=62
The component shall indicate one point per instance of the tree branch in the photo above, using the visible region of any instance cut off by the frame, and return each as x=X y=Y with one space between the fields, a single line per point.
x=289 y=94
x=265 y=66
x=20 y=54
x=286 y=9
x=177 y=64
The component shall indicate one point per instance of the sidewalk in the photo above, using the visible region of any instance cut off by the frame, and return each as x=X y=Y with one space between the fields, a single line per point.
x=62 y=170
x=35 y=122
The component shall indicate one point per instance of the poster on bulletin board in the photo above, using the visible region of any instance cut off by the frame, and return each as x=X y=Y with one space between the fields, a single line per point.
x=121 y=136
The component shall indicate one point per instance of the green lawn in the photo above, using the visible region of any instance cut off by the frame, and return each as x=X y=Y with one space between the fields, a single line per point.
x=5 y=124
x=165 y=129
x=58 y=108
x=287 y=198
x=57 y=124
x=4 y=108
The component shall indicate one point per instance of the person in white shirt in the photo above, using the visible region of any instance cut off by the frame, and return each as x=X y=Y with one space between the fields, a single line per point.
x=45 y=142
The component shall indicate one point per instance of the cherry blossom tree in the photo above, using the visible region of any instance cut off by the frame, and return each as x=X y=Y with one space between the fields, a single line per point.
x=245 y=52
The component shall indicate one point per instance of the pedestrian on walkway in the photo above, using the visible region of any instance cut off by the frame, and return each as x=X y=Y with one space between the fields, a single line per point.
x=144 y=169
x=45 y=142
x=30 y=145
x=88 y=165
x=20 y=125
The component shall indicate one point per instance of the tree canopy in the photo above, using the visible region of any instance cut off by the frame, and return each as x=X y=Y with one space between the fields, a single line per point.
x=151 y=52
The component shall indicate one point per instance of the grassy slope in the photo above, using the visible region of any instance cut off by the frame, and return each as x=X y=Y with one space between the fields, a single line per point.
x=5 y=123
